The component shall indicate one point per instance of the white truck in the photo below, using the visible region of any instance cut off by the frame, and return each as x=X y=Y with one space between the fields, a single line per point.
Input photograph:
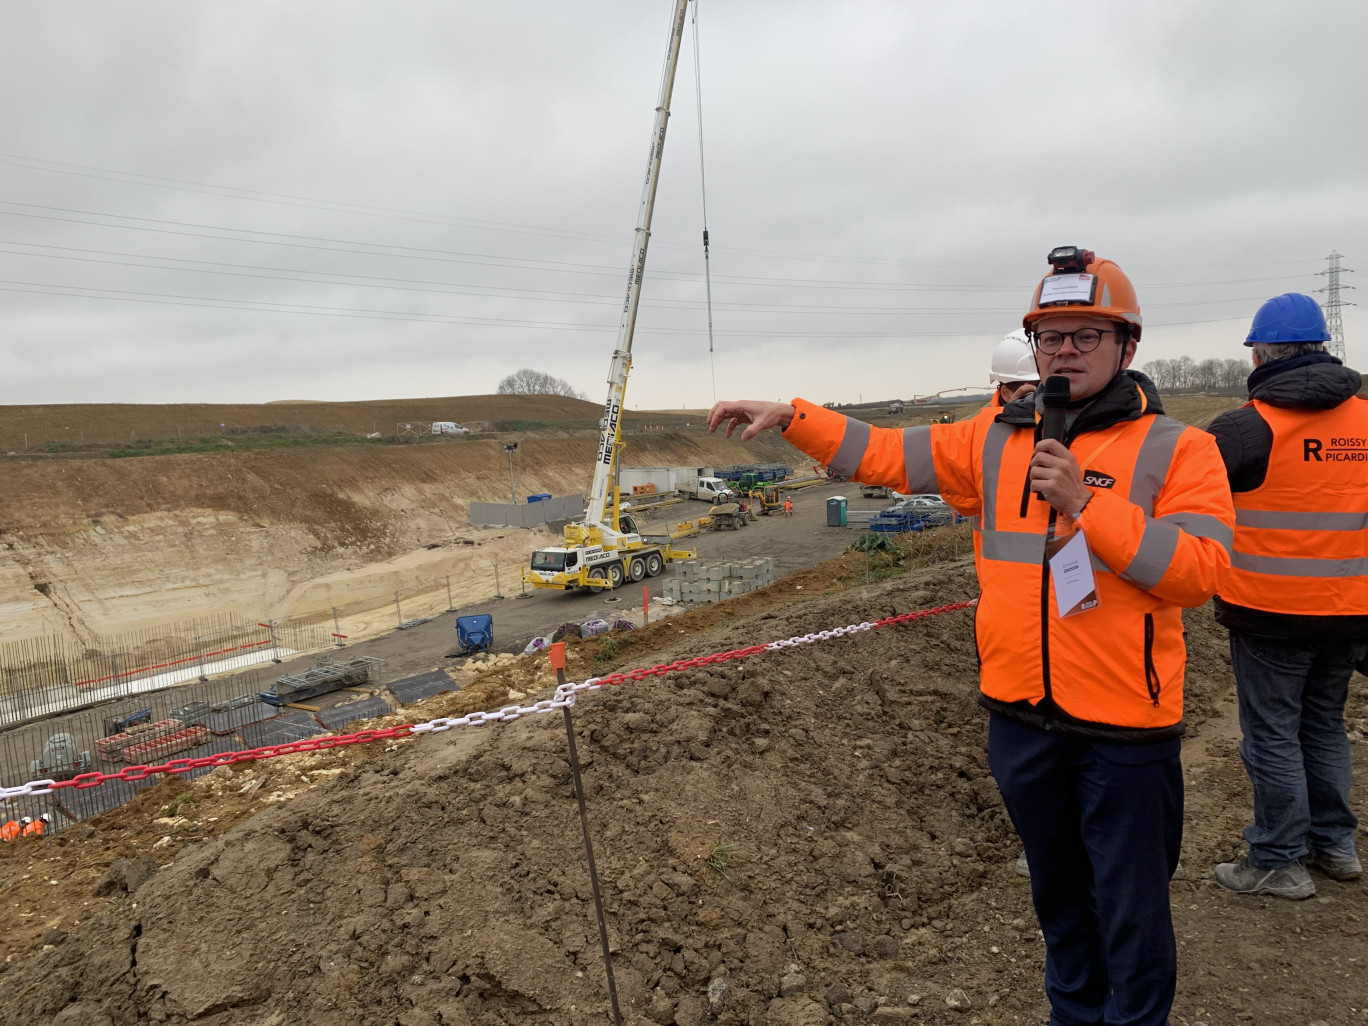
x=692 y=482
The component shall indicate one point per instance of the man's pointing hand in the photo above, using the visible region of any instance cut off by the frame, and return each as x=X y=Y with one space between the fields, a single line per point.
x=759 y=415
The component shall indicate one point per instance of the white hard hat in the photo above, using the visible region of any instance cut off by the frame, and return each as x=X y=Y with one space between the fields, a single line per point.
x=46 y=818
x=1013 y=360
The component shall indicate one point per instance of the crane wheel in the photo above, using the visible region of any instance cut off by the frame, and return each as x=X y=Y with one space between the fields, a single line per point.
x=636 y=569
x=654 y=565
x=616 y=575
x=597 y=582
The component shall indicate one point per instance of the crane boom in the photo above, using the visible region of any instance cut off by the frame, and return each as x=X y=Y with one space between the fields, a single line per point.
x=610 y=428
x=605 y=549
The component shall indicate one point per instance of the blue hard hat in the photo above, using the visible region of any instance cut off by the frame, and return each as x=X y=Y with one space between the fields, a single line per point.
x=1291 y=317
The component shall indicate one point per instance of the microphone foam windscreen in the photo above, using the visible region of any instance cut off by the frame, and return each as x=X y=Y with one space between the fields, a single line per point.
x=1056 y=391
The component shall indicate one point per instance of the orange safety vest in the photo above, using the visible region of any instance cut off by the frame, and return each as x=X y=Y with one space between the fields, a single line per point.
x=1158 y=525
x=10 y=830
x=1301 y=538
x=34 y=829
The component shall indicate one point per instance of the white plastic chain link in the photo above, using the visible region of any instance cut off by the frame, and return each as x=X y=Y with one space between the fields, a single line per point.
x=808 y=639
x=30 y=790
x=564 y=698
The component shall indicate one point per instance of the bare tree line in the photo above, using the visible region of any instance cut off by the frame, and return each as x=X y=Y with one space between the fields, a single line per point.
x=1187 y=374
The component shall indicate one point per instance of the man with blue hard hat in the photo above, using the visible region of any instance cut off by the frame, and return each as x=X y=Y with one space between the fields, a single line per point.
x=1296 y=598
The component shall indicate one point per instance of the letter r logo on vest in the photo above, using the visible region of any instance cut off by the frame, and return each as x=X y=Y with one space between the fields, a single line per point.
x=1311 y=448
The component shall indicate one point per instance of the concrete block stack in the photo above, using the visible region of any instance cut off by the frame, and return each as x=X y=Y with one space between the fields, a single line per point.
x=716 y=581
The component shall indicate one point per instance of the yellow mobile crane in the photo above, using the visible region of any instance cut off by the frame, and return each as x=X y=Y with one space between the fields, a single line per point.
x=605 y=549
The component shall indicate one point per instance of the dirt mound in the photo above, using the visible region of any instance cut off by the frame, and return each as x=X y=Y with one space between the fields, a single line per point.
x=808 y=835
x=793 y=822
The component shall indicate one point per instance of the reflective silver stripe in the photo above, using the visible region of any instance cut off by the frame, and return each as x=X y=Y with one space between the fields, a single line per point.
x=1153 y=462
x=1301 y=521
x=1155 y=554
x=1098 y=565
x=917 y=461
x=853 y=445
x=1014 y=547
x=1296 y=566
x=1202 y=525
x=994 y=443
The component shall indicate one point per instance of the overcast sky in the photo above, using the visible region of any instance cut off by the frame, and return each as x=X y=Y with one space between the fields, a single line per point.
x=250 y=201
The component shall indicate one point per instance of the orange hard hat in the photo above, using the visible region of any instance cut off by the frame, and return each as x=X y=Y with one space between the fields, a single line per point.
x=1079 y=283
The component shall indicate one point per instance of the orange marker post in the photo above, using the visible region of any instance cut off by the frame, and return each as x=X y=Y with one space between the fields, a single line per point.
x=645 y=605
x=557 y=656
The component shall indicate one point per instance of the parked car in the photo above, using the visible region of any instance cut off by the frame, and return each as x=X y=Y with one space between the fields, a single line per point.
x=448 y=427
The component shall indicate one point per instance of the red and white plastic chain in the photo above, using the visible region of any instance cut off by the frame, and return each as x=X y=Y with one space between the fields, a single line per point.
x=564 y=697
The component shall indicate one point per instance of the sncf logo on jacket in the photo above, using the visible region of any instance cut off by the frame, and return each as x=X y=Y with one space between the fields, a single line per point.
x=1097 y=479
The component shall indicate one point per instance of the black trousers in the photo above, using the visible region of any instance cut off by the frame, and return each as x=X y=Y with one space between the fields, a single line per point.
x=1102 y=823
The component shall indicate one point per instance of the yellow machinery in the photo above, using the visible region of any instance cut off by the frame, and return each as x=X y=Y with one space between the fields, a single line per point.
x=765 y=501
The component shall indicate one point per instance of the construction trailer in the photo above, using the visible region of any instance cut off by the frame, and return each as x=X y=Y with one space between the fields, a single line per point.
x=690 y=482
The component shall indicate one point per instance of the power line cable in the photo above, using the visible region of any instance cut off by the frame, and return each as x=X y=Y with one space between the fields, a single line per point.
x=355 y=280
x=247 y=235
x=257 y=195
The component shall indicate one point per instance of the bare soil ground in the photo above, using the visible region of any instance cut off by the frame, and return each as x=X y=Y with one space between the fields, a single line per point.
x=815 y=827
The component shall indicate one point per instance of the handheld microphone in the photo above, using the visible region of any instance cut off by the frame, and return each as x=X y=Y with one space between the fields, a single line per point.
x=1055 y=398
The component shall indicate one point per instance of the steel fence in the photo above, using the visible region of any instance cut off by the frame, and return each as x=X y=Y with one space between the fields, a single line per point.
x=187 y=721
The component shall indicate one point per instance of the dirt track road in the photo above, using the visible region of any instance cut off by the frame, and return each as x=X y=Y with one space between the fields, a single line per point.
x=795 y=543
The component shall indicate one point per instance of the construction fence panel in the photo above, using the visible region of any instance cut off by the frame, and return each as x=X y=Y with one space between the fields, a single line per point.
x=530 y=514
x=46 y=675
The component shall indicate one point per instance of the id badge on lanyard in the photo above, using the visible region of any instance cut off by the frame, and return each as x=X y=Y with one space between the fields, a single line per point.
x=1075 y=588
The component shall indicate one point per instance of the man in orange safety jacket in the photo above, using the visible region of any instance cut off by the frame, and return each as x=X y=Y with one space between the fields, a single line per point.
x=1296 y=600
x=1082 y=678
x=35 y=827
x=11 y=830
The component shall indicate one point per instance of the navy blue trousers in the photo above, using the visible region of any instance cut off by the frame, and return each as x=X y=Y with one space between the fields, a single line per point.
x=1102 y=823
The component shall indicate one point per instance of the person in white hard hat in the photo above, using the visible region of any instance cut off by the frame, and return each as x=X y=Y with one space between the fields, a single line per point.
x=1013 y=370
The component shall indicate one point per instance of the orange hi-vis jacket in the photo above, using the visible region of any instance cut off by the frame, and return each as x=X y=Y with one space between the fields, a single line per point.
x=1301 y=538
x=10 y=830
x=34 y=829
x=1158 y=525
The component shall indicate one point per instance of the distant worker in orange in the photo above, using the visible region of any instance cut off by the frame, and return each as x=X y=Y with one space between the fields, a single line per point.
x=35 y=827
x=11 y=830
x=788 y=507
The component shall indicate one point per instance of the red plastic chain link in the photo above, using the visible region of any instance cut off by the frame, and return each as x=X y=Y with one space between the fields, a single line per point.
x=922 y=614
x=308 y=744
x=330 y=741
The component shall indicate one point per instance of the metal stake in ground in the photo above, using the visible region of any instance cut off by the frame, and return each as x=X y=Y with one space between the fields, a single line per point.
x=558 y=661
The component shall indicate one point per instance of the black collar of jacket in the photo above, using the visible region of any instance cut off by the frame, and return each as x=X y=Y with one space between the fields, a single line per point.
x=1128 y=396
x=1312 y=381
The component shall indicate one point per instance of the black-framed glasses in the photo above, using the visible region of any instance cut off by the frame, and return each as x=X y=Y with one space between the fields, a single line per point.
x=1085 y=340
